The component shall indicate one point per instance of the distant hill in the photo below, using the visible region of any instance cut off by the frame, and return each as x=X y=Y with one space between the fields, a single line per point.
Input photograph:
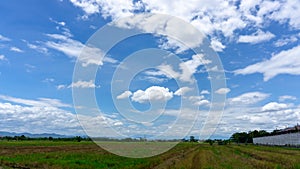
x=12 y=134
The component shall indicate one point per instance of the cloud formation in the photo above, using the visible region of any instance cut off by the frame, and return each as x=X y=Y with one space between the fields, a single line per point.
x=223 y=91
x=2 y=57
x=208 y=16
x=182 y=91
x=285 y=62
x=153 y=93
x=188 y=69
x=86 y=55
x=40 y=102
x=3 y=38
x=124 y=95
x=256 y=37
x=15 y=49
x=248 y=98
x=287 y=97
x=274 y=106
x=79 y=84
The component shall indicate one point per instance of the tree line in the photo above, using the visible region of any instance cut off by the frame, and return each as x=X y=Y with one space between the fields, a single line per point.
x=23 y=138
x=244 y=137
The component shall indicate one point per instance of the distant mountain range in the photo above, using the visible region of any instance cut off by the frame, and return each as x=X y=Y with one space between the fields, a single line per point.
x=12 y=134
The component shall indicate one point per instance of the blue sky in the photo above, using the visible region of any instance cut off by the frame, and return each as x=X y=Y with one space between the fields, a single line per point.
x=257 y=43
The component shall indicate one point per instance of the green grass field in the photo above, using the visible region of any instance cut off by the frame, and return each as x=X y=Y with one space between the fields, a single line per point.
x=51 y=154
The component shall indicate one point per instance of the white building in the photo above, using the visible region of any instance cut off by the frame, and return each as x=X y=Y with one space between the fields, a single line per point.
x=292 y=139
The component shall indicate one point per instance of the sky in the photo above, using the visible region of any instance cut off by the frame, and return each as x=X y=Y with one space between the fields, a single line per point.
x=150 y=84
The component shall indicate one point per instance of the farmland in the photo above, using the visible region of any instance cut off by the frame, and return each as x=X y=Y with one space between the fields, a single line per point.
x=69 y=154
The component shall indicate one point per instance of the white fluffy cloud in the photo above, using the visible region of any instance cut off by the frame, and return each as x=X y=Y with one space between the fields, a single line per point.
x=3 y=38
x=199 y=100
x=88 y=6
x=83 y=84
x=38 y=119
x=245 y=113
x=208 y=16
x=167 y=70
x=15 y=49
x=204 y=92
x=274 y=106
x=288 y=12
x=285 y=62
x=202 y=103
x=2 y=57
x=248 y=98
x=79 y=84
x=286 y=97
x=223 y=91
x=256 y=37
x=153 y=93
x=46 y=115
x=188 y=68
x=286 y=41
x=182 y=91
x=174 y=33
x=217 y=45
x=124 y=95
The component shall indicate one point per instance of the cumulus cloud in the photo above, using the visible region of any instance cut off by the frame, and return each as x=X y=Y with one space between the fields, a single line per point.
x=79 y=84
x=172 y=33
x=47 y=116
x=124 y=95
x=223 y=91
x=38 y=119
x=89 y=7
x=286 y=97
x=202 y=103
x=3 y=38
x=207 y=16
x=253 y=115
x=288 y=12
x=15 y=49
x=274 y=106
x=256 y=37
x=188 y=68
x=286 y=41
x=167 y=70
x=248 y=98
x=199 y=100
x=83 y=84
x=217 y=45
x=153 y=93
x=204 y=92
x=285 y=62
x=61 y=86
x=2 y=57
x=108 y=8
x=182 y=91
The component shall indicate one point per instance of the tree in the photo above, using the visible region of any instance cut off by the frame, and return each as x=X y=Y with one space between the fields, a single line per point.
x=211 y=142
x=192 y=139
x=78 y=138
